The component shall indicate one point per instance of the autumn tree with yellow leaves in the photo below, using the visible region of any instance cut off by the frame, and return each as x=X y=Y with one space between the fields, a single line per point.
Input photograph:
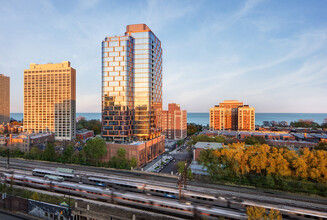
x=268 y=165
x=259 y=213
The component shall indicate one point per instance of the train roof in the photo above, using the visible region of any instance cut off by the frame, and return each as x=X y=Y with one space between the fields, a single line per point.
x=53 y=172
x=65 y=170
x=94 y=188
x=222 y=212
x=161 y=188
x=35 y=178
x=115 y=181
x=53 y=177
x=192 y=193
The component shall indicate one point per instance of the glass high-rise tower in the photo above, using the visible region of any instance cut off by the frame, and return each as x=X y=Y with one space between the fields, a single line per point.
x=131 y=85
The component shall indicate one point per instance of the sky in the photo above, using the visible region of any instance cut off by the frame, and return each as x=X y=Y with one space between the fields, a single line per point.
x=270 y=54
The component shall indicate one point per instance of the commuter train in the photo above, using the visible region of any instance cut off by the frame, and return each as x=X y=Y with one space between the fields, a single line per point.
x=195 y=198
x=144 y=188
x=162 y=205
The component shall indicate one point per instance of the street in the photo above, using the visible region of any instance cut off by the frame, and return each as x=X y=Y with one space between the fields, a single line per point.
x=182 y=155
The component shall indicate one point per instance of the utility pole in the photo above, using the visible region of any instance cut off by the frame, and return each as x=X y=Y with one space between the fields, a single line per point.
x=69 y=210
x=180 y=186
x=182 y=181
x=6 y=145
x=185 y=175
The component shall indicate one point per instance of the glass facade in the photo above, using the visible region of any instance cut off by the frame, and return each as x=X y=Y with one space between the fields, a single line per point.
x=131 y=85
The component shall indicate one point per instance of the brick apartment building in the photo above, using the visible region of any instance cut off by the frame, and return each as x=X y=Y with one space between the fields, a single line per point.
x=232 y=115
x=174 y=122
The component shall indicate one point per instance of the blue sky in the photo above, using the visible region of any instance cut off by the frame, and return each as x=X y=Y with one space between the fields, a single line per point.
x=270 y=54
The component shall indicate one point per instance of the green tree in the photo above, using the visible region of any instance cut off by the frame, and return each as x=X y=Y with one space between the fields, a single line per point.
x=122 y=162
x=181 y=169
x=95 y=149
x=94 y=125
x=68 y=153
x=133 y=162
x=321 y=146
x=180 y=142
x=181 y=166
x=81 y=124
x=255 y=140
x=49 y=153
x=34 y=154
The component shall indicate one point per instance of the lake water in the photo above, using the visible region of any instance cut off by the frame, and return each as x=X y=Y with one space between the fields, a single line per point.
x=203 y=118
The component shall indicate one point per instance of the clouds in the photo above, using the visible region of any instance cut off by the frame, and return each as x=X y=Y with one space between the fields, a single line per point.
x=260 y=52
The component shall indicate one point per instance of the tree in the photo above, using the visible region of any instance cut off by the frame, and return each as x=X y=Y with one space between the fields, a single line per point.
x=122 y=162
x=35 y=196
x=68 y=153
x=321 y=146
x=274 y=215
x=49 y=153
x=93 y=124
x=180 y=142
x=255 y=213
x=181 y=166
x=193 y=128
x=255 y=140
x=34 y=154
x=181 y=169
x=259 y=213
x=81 y=123
x=95 y=149
x=133 y=162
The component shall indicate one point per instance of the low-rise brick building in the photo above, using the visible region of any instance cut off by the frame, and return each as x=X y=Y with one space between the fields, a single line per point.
x=84 y=134
x=200 y=146
x=174 y=122
x=143 y=151
x=25 y=141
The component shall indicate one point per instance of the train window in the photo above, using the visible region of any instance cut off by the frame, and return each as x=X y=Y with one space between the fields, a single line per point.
x=46 y=214
x=51 y=215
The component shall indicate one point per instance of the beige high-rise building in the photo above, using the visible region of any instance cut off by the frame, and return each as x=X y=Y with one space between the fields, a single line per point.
x=232 y=115
x=4 y=99
x=50 y=99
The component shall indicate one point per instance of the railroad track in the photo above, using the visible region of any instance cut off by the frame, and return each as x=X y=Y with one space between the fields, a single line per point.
x=256 y=195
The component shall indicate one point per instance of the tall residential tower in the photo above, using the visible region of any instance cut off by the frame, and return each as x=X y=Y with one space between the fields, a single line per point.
x=50 y=99
x=132 y=94
x=131 y=85
x=4 y=99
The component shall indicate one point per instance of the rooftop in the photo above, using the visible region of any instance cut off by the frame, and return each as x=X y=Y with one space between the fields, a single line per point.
x=210 y=145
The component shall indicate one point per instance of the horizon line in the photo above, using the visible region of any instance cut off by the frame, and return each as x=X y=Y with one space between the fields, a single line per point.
x=208 y=112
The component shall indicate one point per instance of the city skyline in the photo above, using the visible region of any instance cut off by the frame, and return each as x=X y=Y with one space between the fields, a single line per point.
x=268 y=54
